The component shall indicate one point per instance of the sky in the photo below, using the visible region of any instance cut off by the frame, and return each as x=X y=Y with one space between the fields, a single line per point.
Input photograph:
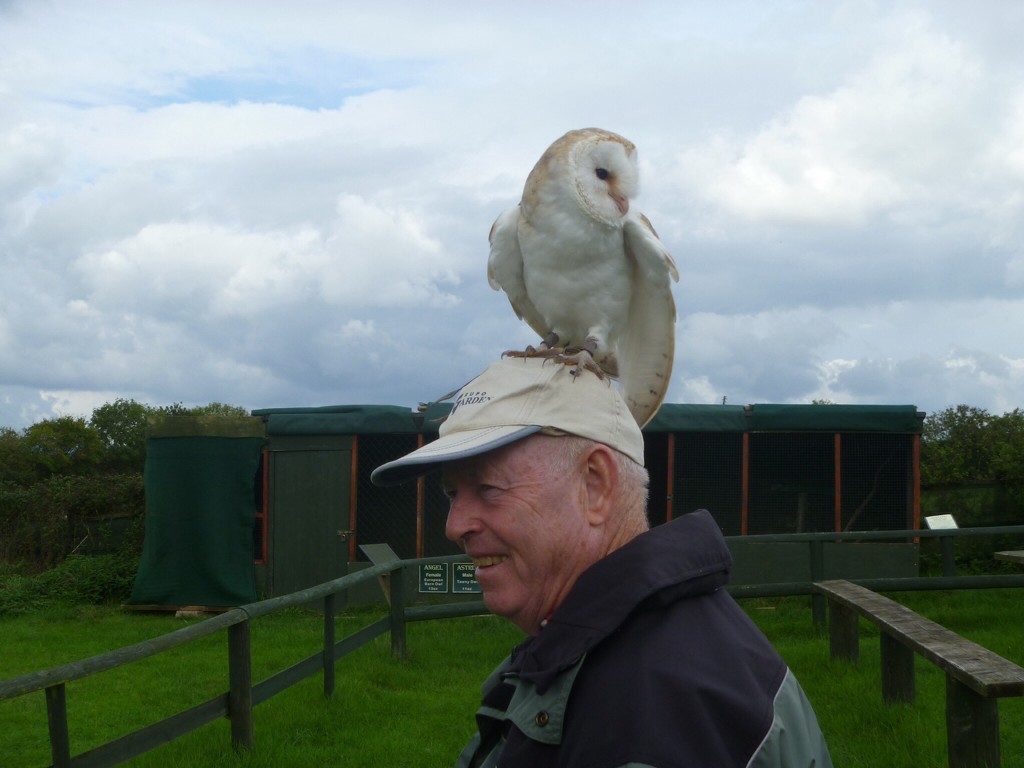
x=278 y=205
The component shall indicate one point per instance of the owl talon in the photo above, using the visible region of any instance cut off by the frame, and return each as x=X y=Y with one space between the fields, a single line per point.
x=583 y=359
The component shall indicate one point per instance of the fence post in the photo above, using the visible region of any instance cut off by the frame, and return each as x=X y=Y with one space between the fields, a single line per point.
x=396 y=587
x=328 y=659
x=240 y=682
x=57 y=717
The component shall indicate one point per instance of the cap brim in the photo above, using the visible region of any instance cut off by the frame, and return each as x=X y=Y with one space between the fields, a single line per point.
x=460 y=445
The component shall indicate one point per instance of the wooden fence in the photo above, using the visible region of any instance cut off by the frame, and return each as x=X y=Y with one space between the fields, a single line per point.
x=242 y=695
x=815 y=554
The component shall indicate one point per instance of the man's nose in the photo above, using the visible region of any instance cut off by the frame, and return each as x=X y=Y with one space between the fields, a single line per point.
x=461 y=520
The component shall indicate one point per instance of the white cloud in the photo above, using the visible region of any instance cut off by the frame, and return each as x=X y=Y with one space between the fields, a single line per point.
x=902 y=131
x=700 y=390
x=383 y=256
x=270 y=206
x=371 y=256
x=76 y=403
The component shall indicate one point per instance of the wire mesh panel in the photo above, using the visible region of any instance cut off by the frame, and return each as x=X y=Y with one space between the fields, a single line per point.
x=709 y=475
x=385 y=515
x=696 y=458
x=877 y=482
x=390 y=515
x=659 y=489
x=435 y=515
x=792 y=482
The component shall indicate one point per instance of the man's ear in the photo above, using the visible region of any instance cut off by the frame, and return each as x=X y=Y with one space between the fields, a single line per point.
x=602 y=480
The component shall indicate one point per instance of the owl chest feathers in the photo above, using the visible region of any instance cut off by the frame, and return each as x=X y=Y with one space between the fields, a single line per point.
x=576 y=272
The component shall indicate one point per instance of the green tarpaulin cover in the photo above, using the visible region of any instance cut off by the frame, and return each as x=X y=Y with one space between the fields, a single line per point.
x=200 y=505
x=672 y=417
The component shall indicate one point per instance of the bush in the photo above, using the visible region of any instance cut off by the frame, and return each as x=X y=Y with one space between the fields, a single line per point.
x=20 y=595
x=43 y=523
x=81 y=579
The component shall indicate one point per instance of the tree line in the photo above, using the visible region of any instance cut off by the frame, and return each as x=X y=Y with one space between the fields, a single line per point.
x=112 y=440
x=963 y=446
x=75 y=485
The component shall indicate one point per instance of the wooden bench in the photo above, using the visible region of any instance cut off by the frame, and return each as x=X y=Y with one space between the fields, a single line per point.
x=975 y=676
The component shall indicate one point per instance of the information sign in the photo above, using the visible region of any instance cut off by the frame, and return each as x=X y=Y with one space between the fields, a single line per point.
x=464 y=578
x=434 y=577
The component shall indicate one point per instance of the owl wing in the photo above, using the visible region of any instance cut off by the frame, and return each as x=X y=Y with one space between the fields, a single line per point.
x=646 y=347
x=505 y=269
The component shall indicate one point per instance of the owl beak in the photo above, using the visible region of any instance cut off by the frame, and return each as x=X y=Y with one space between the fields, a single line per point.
x=621 y=202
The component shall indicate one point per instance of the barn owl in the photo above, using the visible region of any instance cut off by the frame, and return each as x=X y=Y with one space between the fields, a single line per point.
x=586 y=271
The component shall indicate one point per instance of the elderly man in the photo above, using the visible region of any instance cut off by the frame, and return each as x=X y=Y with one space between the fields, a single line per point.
x=635 y=655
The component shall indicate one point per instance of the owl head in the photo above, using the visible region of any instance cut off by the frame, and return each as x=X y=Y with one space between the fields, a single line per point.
x=602 y=169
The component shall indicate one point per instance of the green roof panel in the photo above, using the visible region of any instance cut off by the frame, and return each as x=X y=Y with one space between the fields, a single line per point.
x=672 y=417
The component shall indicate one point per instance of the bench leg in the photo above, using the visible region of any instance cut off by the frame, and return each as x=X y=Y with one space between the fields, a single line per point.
x=843 y=634
x=972 y=727
x=897 y=671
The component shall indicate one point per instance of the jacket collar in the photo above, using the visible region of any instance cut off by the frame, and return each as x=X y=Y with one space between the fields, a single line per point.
x=682 y=558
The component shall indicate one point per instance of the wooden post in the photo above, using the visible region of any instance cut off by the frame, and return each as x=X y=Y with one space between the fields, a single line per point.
x=843 y=632
x=897 y=670
x=353 y=500
x=421 y=492
x=240 y=683
x=972 y=727
x=397 y=591
x=745 y=485
x=328 y=658
x=57 y=717
x=263 y=513
x=837 y=509
x=915 y=501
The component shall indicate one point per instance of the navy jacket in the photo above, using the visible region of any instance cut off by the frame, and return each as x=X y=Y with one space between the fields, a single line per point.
x=648 y=662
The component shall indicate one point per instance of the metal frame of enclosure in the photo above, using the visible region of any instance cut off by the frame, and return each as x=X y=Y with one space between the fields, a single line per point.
x=279 y=501
x=759 y=469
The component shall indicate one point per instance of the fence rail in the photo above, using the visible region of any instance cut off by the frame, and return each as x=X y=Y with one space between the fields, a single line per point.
x=243 y=694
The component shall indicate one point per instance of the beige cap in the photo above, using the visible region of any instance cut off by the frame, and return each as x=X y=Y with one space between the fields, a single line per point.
x=517 y=397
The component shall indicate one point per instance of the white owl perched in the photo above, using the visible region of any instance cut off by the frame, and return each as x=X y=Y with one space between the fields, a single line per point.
x=586 y=271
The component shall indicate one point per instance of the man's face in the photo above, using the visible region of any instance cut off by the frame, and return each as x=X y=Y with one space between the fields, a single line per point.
x=519 y=512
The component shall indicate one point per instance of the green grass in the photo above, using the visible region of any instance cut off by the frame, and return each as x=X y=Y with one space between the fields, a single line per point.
x=382 y=713
x=420 y=712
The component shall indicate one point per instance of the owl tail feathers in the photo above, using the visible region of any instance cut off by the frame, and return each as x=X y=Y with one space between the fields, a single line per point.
x=645 y=367
x=644 y=398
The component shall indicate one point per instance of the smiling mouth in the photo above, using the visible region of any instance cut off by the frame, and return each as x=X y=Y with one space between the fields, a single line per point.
x=485 y=562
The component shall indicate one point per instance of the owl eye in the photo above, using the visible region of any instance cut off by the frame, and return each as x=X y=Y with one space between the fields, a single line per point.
x=602 y=173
